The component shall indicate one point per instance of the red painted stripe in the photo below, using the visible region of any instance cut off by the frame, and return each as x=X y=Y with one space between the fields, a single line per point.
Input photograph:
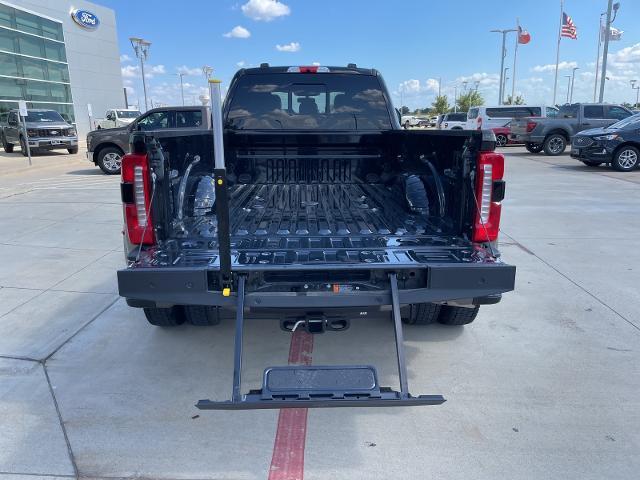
x=287 y=462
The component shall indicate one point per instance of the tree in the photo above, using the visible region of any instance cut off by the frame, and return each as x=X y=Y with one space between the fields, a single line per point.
x=518 y=101
x=404 y=110
x=472 y=98
x=440 y=104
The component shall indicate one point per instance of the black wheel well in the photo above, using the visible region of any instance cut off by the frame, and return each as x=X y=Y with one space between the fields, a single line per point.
x=558 y=132
x=102 y=146
x=625 y=144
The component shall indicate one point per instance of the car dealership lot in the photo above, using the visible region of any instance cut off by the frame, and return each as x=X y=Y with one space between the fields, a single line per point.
x=542 y=385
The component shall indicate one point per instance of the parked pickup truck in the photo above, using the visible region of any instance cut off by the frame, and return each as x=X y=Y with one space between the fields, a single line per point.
x=553 y=134
x=118 y=117
x=45 y=130
x=106 y=147
x=317 y=207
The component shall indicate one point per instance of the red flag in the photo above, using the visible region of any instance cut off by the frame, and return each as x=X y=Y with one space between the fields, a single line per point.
x=523 y=36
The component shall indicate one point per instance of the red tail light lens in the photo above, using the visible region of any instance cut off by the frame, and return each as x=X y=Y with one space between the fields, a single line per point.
x=488 y=178
x=137 y=203
x=531 y=126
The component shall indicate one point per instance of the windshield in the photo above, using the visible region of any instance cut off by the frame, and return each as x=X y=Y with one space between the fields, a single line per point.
x=128 y=113
x=631 y=121
x=47 y=116
x=308 y=101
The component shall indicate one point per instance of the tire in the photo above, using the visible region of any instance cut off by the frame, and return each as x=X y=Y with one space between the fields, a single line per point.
x=422 y=314
x=202 y=316
x=534 y=147
x=406 y=125
x=110 y=160
x=164 y=317
x=591 y=163
x=8 y=147
x=457 y=315
x=627 y=158
x=501 y=140
x=72 y=150
x=555 y=144
x=23 y=147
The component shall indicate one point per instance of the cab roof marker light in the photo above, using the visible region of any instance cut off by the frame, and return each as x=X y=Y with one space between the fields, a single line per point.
x=308 y=69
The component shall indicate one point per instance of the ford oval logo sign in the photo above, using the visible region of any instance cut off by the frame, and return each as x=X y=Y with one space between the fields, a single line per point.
x=85 y=19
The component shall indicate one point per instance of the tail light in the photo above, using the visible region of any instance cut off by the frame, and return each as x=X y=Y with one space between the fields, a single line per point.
x=308 y=69
x=136 y=197
x=531 y=126
x=489 y=194
x=479 y=123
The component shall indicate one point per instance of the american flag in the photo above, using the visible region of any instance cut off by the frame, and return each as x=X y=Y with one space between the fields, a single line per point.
x=569 y=29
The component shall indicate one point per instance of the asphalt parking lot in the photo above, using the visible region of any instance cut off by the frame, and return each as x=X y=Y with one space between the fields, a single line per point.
x=543 y=385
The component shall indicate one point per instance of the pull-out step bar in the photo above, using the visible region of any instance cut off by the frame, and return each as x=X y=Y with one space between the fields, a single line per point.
x=313 y=386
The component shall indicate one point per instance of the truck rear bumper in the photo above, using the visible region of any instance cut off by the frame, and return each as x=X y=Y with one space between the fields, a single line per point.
x=467 y=283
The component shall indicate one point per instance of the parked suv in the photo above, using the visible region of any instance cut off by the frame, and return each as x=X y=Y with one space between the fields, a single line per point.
x=453 y=121
x=491 y=117
x=45 y=130
x=106 y=147
x=618 y=145
x=554 y=134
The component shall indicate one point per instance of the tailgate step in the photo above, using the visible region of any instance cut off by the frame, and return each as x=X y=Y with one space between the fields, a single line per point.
x=313 y=386
x=306 y=381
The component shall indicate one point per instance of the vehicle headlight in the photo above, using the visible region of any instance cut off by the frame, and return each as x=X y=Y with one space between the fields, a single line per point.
x=71 y=132
x=32 y=133
x=611 y=136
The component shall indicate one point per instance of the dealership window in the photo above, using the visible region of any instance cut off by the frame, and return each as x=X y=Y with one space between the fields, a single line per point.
x=59 y=92
x=7 y=40
x=51 y=29
x=10 y=89
x=54 y=51
x=33 y=68
x=26 y=22
x=7 y=16
x=8 y=65
x=58 y=72
x=28 y=45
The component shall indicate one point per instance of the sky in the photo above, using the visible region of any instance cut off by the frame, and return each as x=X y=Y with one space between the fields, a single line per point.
x=417 y=45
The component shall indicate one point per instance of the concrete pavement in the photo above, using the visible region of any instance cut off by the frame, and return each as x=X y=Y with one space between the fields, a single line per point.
x=542 y=385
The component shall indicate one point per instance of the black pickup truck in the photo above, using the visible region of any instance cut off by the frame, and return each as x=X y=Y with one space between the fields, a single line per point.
x=321 y=209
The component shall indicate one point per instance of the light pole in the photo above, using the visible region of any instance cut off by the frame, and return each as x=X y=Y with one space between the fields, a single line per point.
x=141 y=47
x=207 y=71
x=573 y=82
x=503 y=53
x=637 y=89
x=455 y=98
x=504 y=83
x=477 y=84
x=568 y=86
x=605 y=51
x=181 y=86
x=595 y=84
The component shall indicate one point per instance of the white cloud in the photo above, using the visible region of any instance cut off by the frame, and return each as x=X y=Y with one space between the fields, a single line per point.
x=551 y=67
x=238 y=32
x=265 y=10
x=153 y=70
x=289 y=47
x=241 y=63
x=627 y=55
x=124 y=58
x=316 y=64
x=190 y=71
x=130 y=71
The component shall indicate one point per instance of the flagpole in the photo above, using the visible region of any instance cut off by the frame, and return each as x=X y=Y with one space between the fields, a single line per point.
x=555 y=81
x=515 y=57
x=595 y=84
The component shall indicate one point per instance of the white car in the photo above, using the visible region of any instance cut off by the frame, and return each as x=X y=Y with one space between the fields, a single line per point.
x=483 y=117
x=118 y=117
x=453 y=121
x=410 y=121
